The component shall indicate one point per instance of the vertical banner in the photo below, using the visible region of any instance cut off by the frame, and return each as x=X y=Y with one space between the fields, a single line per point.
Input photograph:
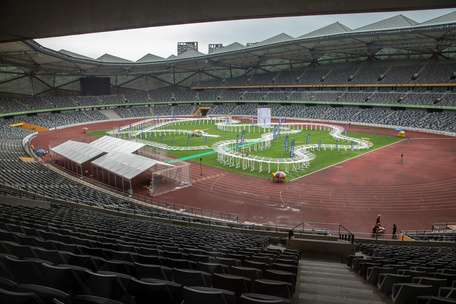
x=292 y=148
x=161 y=138
x=142 y=135
x=347 y=128
x=130 y=127
x=280 y=120
x=119 y=128
x=286 y=144
x=308 y=139
x=188 y=141
x=172 y=142
x=337 y=145
x=264 y=117
x=211 y=120
x=151 y=137
x=274 y=134
x=237 y=139
x=205 y=140
x=319 y=145
x=253 y=122
x=278 y=131
x=174 y=116
x=352 y=145
x=242 y=138
x=158 y=116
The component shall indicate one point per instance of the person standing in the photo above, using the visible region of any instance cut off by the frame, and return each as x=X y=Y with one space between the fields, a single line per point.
x=394 y=231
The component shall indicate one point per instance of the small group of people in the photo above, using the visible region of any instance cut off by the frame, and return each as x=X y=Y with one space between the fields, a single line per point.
x=378 y=228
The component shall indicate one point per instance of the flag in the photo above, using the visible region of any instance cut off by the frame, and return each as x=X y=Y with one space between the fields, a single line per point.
x=319 y=145
x=286 y=144
x=242 y=138
x=161 y=138
x=237 y=139
x=292 y=148
x=308 y=139
x=337 y=145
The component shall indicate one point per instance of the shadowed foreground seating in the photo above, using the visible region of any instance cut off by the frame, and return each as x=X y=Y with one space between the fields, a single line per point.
x=199 y=295
x=404 y=293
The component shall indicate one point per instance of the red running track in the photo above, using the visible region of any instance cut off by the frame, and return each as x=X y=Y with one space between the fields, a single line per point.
x=413 y=195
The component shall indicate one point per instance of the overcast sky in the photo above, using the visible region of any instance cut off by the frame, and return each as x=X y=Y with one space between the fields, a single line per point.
x=162 y=41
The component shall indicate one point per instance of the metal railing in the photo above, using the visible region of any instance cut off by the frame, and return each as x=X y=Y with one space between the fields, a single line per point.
x=323 y=229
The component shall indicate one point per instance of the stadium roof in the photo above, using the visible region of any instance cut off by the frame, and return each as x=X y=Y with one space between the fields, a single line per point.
x=23 y=20
x=396 y=38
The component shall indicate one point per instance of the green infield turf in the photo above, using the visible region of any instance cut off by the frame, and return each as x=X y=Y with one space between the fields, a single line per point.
x=278 y=149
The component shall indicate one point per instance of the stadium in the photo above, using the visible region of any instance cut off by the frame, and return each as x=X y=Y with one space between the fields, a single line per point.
x=95 y=212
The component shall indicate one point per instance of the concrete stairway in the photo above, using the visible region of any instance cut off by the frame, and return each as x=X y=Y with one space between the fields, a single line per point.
x=110 y=114
x=332 y=282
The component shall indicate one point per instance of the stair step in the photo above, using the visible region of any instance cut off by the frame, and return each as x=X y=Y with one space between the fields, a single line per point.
x=322 y=299
x=328 y=282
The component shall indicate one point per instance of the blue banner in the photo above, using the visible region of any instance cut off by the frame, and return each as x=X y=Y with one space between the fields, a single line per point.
x=337 y=145
x=151 y=136
x=353 y=145
x=292 y=148
x=308 y=139
x=158 y=116
x=237 y=139
x=130 y=127
x=205 y=140
x=242 y=138
x=119 y=128
x=161 y=138
x=319 y=145
x=286 y=144
x=278 y=131
x=280 y=120
x=253 y=122
x=188 y=141
x=274 y=134
x=172 y=142
x=211 y=120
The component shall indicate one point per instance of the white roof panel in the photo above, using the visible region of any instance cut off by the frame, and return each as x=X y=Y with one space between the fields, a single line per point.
x=126 y=165
x=77 y=152
x=112 y=144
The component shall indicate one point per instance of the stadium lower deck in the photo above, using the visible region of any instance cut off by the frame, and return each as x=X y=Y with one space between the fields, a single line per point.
x=414 y=195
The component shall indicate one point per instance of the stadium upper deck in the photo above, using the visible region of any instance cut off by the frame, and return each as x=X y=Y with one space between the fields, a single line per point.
x=29 y=69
